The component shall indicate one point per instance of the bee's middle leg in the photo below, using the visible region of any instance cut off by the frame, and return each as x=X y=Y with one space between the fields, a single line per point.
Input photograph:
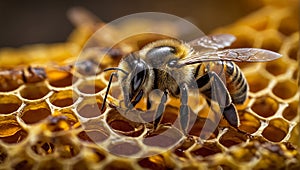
x=184 y=108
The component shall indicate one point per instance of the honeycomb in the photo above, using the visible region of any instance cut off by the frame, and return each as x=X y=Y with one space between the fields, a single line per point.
x=50 y=116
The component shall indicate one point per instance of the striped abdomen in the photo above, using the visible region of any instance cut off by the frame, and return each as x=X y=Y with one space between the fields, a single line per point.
x=231 y=75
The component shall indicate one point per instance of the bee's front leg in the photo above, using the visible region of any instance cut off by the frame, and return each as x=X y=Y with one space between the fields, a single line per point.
x=160 y=110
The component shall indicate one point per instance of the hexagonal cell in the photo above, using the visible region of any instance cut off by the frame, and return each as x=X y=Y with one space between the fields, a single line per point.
x=257 y=82
x=107 y=75
x=9 y=104
x=123 y=125
x=276 y=126
x=3 y=155
x=207 y=149
x=34 y=91
x=61 y=77
x=291 y=111
x=288 y=25
x=231 y=138
x=92 y=156
x=43 y=147
x=276 y=67
x=124 y=148
x=10 y=80
x=25 y=163
x=249 y=123
x=50 y=164
x=93 y=135
x=63 y=98
x=10 y=130
x=265 y=106
x=204 y=128
x=35 y=112
x=163 y=137
x=67 y=116
x=272 y=41
x=91 y=86
x=293 y=52
x=296 y=74
x=90 y=107
x=15 y=138
x=154 y=162
x=285 y=89
x=117 y=164
x=66 y=148
x=243 y=41
x=181 y=150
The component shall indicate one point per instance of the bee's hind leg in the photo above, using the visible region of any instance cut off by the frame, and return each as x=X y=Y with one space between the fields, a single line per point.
x=211 y=85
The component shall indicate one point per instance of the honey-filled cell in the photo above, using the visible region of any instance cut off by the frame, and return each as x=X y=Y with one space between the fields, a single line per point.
x=91 y=86
x=35 y=112
x=254 y=84
x=285 y=89
x=61 y=77
x=34 y=91
x=90 y=107
x=63 y=98
x=265 y=106
x=9 y=104
x=276 y=126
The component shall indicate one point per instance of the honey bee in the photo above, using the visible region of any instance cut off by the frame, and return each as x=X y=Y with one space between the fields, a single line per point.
x=170 y=65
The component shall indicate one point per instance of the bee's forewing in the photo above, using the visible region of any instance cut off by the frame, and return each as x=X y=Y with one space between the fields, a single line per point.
x=218 y=41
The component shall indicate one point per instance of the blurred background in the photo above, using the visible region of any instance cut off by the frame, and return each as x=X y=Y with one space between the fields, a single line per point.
x=33 y=21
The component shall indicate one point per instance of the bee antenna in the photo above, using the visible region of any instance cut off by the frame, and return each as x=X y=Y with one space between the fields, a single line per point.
x=116 y=68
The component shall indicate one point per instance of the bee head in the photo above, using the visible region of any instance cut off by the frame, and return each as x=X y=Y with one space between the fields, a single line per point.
x=133 y=84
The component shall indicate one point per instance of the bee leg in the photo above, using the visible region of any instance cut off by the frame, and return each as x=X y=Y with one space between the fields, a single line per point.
x=213 y=88
x=160 y=109
x=184 y=109
x=108 y=88
x=148 y=103
x=231 y=115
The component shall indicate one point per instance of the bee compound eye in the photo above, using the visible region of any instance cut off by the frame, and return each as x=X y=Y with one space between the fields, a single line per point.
x=139 y=77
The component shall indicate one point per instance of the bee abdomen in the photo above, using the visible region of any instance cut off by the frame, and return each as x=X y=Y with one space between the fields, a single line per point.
x=236 y=83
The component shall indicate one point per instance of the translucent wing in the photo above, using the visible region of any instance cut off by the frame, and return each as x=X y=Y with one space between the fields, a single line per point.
x=238 y=54
x=218 y=41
